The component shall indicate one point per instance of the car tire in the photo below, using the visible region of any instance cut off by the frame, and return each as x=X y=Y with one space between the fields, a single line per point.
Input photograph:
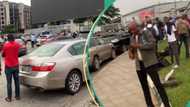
x=124 y=48
x=113 y=54
x=73 y=82
x=96 y=63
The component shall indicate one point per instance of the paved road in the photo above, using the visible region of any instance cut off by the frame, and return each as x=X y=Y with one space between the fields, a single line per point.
x=54 y=98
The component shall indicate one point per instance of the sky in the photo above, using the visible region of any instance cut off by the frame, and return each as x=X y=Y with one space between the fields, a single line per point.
x=125 y=6
x=27 y=2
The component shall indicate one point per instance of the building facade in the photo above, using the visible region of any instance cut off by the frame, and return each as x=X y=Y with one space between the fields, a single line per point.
x=159 y=10
x=24 y=16
x=16 y=14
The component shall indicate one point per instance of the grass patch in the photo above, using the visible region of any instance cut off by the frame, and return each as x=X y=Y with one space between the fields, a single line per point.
x=180 y=95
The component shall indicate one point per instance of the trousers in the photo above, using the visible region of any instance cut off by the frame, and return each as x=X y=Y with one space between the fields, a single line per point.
x=152 y=72
x=12 y=73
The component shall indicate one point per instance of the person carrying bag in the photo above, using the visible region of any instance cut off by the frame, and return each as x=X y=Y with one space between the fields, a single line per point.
x=144 y=45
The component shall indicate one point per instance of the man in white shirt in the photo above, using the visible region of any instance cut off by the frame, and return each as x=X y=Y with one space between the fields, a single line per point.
x=172 y=41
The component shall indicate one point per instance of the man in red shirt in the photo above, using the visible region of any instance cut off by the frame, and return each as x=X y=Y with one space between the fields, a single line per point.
x=10 y=53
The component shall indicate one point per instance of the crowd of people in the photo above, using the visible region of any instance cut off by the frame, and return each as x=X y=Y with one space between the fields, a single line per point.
x=145 y=41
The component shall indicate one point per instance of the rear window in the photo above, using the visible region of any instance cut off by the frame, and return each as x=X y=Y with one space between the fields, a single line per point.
x=43 y=36
x=45 y=33
x=47 y=50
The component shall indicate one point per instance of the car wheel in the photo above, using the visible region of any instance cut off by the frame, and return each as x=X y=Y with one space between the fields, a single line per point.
x=113 y=54
x=96 y=63
x=124 y=48
x=73 y=82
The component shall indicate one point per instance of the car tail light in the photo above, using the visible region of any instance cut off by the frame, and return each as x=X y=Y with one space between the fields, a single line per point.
x=46 y=67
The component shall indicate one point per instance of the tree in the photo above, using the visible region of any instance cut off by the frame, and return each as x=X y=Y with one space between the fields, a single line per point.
x=9 y=29
x=110 y=14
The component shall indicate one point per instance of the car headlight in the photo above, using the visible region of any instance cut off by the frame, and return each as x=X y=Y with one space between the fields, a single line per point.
x=114 y=40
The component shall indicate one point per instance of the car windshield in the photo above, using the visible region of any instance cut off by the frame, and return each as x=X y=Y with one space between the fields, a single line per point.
x=45 y=33
x=43 y=36
x=47 y=50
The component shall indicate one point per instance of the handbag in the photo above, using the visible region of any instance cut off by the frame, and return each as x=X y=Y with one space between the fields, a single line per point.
x=132 y=52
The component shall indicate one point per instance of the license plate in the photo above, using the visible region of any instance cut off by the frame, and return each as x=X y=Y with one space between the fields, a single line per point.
x=26 y=68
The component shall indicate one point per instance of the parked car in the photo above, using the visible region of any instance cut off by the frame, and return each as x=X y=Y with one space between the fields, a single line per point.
x=1 y=43
x=120 y=40
x=59 y=65
x=23 y=49
x=59 y=38
x=52 y=39
x=100 y=51
x=45 y=37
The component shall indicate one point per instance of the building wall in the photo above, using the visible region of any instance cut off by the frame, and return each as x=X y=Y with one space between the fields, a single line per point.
x=25 y=16
x=2 y=15
x=16 y=14
x=7 y=12
x=160 y=10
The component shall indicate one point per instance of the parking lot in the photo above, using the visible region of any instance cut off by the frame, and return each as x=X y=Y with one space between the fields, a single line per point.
x=54 y=98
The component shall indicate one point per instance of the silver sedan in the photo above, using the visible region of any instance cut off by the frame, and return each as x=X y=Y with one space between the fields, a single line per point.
x=54 y=65
x=57 y=65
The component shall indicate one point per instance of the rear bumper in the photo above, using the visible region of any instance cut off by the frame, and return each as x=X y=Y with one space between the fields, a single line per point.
x=33 y=81
x=44 y=80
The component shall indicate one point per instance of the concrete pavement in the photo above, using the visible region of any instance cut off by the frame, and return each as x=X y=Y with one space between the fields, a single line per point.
x=117 y=84
x=54 y=98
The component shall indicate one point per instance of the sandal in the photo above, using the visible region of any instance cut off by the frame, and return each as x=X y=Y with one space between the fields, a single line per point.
x=8 y=99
